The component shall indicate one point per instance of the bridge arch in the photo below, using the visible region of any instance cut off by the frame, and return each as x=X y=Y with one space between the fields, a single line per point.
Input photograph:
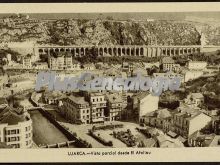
x=141 y=51
x=41 y=50
x=101 y=51
x=110 y=51
x=128 y=51
x=57 y=50
x=115 y=51
x=62 y=50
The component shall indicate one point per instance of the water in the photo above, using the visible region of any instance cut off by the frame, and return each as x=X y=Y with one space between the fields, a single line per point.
x=44 y=132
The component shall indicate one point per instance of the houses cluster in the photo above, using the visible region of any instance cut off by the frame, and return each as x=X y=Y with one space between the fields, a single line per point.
x=192 y=69
x=185 y=122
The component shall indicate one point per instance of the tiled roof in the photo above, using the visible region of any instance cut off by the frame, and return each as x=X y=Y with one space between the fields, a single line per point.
x=10 y=117
x=204 y=139
x=78 y=100
x=114 y=98
x=163 y=113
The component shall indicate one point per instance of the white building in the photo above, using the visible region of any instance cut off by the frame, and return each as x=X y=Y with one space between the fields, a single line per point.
x=89 y=66
x=15 y=129
x=168 y=64
x=192 y=74
x=144 y=103
x=194 y=99
x=187 y=120
x=196 y=65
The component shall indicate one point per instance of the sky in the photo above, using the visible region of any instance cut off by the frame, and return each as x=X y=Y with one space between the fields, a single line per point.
x=124 y=16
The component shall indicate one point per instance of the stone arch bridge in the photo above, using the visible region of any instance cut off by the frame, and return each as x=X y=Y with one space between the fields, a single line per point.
x=120 y=50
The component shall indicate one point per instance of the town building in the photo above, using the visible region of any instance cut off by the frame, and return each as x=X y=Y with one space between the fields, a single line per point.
x=86 y=109
x=15 y=128
x=26 y=61
x=76 y=109
x=127 y=67
x=197 y=139
x=76 y=65
x=56 y=61
x=114 y=106
x=191 y=74
x=156 y=118
x=168 y=64
x=112 y=72
x=141 y=71
x=54 y=97
x=165 y=141
x=98 y=105
x=41 y=65
x=194 y=99
x=196 y=65
x=90 y=66
x=170 y=75
x=186 y=120
x=62 y=61
x=143 y=103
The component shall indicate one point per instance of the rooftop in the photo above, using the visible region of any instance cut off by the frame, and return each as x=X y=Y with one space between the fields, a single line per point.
x=78 y=100
x=197 y=95
x=205 y=139
x=11 y=117
x=114 y=98
x=140 y=95
x=160 y=113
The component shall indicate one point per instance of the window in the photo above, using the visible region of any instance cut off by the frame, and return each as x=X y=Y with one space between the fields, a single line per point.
x=26 y=143
x=12 y=139
x=13 y=132
x=16 y=145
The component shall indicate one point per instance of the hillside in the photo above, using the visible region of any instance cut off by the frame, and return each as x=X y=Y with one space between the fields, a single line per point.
x=96 y=31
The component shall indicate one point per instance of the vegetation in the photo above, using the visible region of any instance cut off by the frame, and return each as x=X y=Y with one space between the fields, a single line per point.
x=4 y=52
x=126 y=137
x=100 y=139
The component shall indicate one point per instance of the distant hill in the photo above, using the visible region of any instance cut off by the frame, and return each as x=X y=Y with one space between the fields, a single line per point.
x=98 y=31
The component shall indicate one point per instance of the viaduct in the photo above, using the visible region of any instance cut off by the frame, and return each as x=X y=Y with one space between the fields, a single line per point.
x=121 y=50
